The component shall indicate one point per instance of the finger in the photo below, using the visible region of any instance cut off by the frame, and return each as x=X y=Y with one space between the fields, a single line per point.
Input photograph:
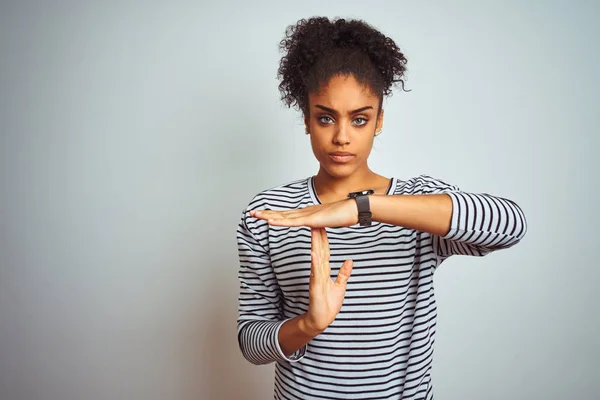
x=315 y=238
x=296 y=217
x=265 y=214
x=325 y=244
x=287 y=222
x=324 y=253
x=314 y=260
x=293 y=218
x=281 y=214
x=294 y=213
x=260 y=214
x=317 y=242
x=316 y=270
x=344 y=273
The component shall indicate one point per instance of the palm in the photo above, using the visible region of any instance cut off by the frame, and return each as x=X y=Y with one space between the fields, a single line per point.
x=325 y=301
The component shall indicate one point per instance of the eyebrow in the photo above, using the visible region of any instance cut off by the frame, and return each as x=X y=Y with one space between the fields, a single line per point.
x=332 y=111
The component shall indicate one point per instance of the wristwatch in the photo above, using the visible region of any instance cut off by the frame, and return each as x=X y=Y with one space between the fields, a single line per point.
x=362 y=202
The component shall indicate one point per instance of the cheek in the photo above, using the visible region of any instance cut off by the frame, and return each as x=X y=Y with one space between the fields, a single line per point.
x=316 y=143
x=365 y=140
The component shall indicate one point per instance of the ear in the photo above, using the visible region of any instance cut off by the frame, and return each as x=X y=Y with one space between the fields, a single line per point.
x=306 y=125
x=379 y=124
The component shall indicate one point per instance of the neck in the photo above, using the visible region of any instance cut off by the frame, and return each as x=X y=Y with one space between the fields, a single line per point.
x=330 y=189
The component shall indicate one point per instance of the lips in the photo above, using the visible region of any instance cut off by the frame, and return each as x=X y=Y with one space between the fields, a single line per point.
x=341 y=156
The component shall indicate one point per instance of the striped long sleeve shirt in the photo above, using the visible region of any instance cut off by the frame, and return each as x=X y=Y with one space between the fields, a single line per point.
x=380 y=345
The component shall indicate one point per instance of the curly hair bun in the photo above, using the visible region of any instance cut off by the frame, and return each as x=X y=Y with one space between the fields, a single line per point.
x=317 y=49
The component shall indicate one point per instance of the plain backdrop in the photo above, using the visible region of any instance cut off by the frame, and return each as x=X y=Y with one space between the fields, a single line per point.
x=134 y=133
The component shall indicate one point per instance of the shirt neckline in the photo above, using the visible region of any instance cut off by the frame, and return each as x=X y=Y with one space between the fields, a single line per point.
x=315 y=199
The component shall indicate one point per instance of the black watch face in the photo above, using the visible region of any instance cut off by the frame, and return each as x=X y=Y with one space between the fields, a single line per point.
x=363 y=193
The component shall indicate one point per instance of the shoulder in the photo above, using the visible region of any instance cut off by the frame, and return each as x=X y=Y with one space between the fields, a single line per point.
x=424 y=184
x=281 y=197
x=291 y=195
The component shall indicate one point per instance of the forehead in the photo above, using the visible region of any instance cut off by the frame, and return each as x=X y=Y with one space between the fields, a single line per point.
x=343 y=92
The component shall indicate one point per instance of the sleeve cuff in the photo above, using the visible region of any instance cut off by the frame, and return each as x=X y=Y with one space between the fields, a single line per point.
x=454 y=221
x=296 y=356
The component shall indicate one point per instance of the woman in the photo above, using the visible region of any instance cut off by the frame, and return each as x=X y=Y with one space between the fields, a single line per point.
x=364 y=326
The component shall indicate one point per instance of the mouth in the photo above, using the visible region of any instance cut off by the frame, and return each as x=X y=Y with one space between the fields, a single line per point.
x=341 y=156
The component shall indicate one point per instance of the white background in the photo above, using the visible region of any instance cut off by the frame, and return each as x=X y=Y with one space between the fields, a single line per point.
x=133 y=135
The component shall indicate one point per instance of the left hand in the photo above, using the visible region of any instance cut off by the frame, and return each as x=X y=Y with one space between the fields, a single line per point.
x=332 y=215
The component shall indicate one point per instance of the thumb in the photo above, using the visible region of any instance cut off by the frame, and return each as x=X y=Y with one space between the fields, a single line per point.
x=344 y=274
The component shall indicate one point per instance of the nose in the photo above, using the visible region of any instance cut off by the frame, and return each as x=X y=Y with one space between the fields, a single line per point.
x=341 y=136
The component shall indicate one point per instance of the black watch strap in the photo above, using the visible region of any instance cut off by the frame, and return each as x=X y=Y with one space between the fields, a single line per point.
x=363 y=205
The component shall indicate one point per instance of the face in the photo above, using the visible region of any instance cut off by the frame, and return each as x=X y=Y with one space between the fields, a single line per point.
x=343 y=120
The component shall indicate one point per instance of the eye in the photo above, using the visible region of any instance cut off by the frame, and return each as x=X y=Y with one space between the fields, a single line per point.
x=325 y=120
x=360 y=121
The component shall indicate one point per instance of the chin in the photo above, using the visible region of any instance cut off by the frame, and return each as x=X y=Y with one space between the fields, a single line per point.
x=338 y=171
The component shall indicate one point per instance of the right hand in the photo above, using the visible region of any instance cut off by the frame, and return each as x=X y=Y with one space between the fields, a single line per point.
x=325 y=296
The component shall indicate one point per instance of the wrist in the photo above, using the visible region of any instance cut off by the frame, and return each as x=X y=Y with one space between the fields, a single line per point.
x=354 y=210
x=307 y=328
x=375 y=203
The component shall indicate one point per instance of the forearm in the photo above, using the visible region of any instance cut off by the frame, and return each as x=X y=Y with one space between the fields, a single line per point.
x=294 y=334
x=430 y=213
x=478 y=219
